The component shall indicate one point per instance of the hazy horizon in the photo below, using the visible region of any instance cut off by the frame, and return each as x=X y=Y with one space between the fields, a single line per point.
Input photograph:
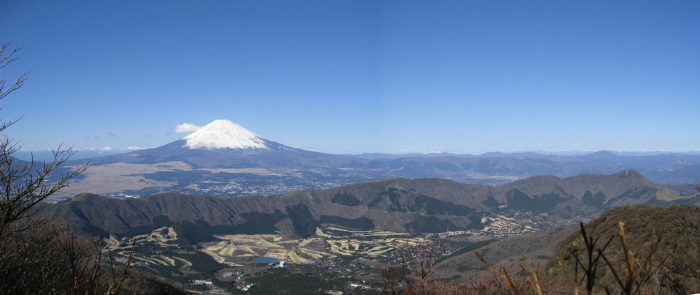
x=93 y=153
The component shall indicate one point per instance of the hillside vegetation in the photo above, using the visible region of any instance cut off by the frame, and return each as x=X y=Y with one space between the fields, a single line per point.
x=636 y=249
x=675 y=260
x=409 y=205
x=365 y=218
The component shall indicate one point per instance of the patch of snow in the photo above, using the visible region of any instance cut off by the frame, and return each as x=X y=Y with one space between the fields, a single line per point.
x=224 y=134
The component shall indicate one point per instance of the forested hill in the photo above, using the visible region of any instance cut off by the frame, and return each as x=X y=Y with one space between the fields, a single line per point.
x=403 y=205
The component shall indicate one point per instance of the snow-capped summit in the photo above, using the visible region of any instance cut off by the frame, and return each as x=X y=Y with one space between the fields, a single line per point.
x=222 y=134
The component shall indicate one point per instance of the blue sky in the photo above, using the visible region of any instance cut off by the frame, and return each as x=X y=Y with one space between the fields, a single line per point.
x=359 y=76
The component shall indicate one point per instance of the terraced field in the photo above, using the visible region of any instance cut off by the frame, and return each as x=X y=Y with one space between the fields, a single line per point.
x=329 y=242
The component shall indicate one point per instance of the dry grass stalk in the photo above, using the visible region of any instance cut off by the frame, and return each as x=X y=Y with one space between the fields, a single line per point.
x=637 y=273
x=589 y=265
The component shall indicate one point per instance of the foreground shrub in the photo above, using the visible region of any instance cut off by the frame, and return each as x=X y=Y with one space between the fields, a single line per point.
x=639 y=249
x=44 y=258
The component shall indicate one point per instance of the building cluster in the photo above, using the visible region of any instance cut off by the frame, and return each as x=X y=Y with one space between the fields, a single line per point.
x=202 y=282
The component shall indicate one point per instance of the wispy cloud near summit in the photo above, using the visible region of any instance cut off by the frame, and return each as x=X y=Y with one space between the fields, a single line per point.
x=186 y=128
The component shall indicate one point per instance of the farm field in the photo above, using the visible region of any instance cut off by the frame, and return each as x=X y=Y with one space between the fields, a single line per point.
x=158 y=247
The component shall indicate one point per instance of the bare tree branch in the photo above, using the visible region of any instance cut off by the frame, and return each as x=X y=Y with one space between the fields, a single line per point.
x=25 y=184
x=4 y=61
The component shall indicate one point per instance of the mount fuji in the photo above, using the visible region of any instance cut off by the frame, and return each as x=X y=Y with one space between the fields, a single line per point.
x=224 y=134
x=224 y=144
x=220 y=158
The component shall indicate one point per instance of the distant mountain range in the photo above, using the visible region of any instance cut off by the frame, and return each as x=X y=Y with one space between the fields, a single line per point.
x=225 y=159
x=79 y=154
x=400 y=205
x=512 y=155
x=96 y=153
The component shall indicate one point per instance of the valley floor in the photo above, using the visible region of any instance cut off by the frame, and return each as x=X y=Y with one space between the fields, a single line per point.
x=342 y=255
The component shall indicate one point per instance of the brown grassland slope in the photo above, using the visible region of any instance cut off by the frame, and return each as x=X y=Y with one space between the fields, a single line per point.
x=674 y=262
